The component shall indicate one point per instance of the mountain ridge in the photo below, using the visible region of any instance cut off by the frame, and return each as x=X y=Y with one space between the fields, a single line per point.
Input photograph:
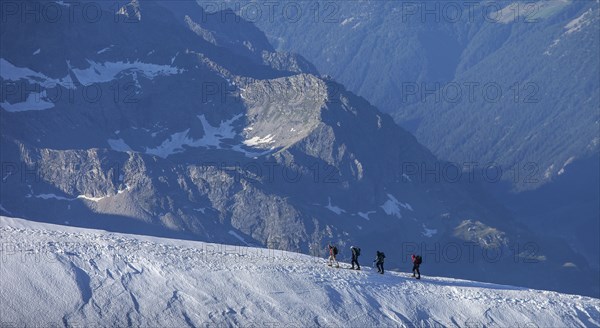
x=118 y=279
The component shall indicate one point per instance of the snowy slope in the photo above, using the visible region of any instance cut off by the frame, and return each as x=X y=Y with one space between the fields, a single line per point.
x=63 y=276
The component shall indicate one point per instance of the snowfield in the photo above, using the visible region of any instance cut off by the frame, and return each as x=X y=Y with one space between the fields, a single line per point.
x=54 y=275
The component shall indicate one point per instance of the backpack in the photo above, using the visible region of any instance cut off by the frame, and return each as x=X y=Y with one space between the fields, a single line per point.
x=335 y=250
x=418 y=259
x=382 y=255
x=357 y=251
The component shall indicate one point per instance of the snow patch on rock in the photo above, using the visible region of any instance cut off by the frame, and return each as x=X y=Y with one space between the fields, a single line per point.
x=569 y=161
x=580 y=22
x=35 y=101
x=10 y=72
x=108 y=71
x=118 y=145
x=428 y=232
x=392 y=206
x=213 y=136
x=365 y=215
x=172 y=145
x=103 y=50
x=335 y=209
x=256 y=141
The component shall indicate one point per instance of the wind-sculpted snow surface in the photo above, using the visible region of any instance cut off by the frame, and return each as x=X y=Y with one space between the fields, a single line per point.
x=61 y=276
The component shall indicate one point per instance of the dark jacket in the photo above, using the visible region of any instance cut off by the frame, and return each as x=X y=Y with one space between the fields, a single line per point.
x=380 y=257
x=415 y=260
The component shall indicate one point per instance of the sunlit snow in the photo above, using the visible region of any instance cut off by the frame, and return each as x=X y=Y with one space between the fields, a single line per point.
x=118 y=280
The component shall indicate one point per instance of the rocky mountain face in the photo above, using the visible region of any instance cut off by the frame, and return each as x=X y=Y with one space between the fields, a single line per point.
x=511 y=83
x=155 y=117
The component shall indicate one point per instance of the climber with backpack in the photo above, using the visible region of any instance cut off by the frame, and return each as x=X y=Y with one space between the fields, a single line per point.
x=416 y=260
x=379 y=261
x=333 y=251
x=355 y=255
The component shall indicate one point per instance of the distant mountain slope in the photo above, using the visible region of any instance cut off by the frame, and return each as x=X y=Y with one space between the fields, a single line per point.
x=438 y=67
x=158 y=119
x=61 y=276
x=511 y=83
